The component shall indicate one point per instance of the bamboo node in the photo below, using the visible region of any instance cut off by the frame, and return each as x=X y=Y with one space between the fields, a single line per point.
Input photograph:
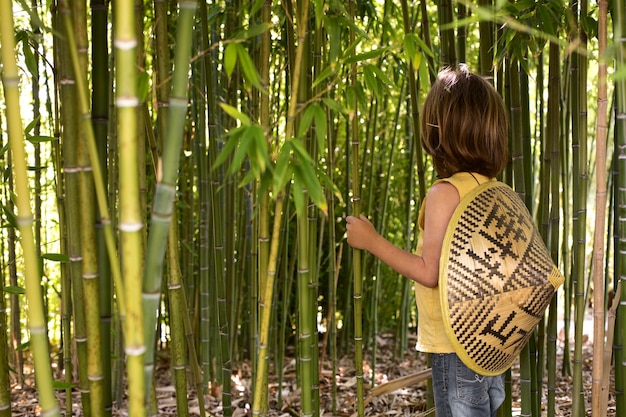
x=131 y=226
x=125 y=44
x=126 y=102
x=135 y=350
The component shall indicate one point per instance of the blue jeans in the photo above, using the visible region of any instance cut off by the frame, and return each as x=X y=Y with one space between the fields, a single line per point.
x=460 y=392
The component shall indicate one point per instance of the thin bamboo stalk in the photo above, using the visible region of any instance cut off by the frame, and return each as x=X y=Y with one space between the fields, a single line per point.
x=5 y=391
x=553 y=138
x=260 y=383
x=445 y=11
x=36 y=317
x=166 y=187
x=89 y=252
x=176 y=310
x=597 y=383
x=73 y=281
x=618 y=13
x=355 y=188
x=100 y=113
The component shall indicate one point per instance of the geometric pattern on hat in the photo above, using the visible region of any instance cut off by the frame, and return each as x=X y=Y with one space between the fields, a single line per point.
x=496 y=278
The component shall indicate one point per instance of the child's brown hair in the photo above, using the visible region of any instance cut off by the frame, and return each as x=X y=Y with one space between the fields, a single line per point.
x=464 y=124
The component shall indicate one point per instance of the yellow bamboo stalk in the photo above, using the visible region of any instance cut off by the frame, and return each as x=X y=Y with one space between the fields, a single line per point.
x=36 y=316
x=130 y=213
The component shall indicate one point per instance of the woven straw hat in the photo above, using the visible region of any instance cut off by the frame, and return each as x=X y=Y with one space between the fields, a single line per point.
x=496 y=278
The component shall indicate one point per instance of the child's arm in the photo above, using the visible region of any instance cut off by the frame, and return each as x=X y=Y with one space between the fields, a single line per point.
x=440 y=204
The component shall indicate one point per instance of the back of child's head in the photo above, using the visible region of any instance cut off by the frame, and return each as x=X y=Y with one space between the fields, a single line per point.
x=464 y=124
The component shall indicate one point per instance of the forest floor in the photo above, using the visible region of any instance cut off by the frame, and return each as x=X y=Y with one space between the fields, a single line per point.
x=406 y=401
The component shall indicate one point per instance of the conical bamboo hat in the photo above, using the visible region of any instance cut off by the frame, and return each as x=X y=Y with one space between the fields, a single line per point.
x=496 y=278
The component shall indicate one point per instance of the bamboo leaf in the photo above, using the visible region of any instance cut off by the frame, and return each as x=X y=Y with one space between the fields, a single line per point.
x=326 y=72
x=29 y=57
x=366 y=56
x=56 y=257
x=253 y=31
x=230 y=58
x=370 y=81
x=23 y=346
x=256 y=6
x=62 y=385
x=143 y=85
x=230 y=146
x=320 y=125
x=40 y=139
x=261 y=155
x=334 y=105
x=11 y=217
x=11 y=289
x=305 y=174
x=31 y=126
x=244 y=149
x=282 y=171
x=236 y=114
x=298 y=196
x=250 y=72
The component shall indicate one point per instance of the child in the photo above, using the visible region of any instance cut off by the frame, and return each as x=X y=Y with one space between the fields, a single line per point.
x=464 y=129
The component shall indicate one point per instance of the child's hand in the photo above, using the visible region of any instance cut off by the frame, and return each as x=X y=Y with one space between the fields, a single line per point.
x=361 y=232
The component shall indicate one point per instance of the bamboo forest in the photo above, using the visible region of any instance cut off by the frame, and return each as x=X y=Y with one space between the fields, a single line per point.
x=177 y=174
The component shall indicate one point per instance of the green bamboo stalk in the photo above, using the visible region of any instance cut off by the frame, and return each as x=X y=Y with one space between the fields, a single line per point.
x=166 y=186
x=513 y=101
x=177 y=329
x=83 y=107
x=36 y=317
x=17 y=359
x=100 y=118
x=214 y=198
x=579 y=151
x=87 y=222
x=553 y=137
x=307 y=301
x=618 y=13
x=599 y=396
x=486 y=42
x=73 y=282
x=355 y=188
x=445 y=11
x=5 y=391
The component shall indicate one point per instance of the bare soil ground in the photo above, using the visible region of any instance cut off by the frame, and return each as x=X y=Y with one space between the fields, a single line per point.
x=406 y=401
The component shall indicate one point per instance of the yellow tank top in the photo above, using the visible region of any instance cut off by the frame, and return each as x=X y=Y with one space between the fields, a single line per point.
x=431 y=336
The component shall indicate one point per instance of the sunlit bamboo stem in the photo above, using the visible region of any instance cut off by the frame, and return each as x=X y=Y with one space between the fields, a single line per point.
x=36 y=316
x=597 y=388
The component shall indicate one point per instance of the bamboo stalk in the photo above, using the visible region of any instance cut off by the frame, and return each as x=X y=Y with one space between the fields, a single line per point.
x=100 y=113
x=579 y=151
x=597 y=384
x=618 y=13
x=176 y=309
x=553 y=139
x=355 y=188
x=130 y=215
x=5 y=384
x=166 y=186
x=36 y=316
x=74 y=284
